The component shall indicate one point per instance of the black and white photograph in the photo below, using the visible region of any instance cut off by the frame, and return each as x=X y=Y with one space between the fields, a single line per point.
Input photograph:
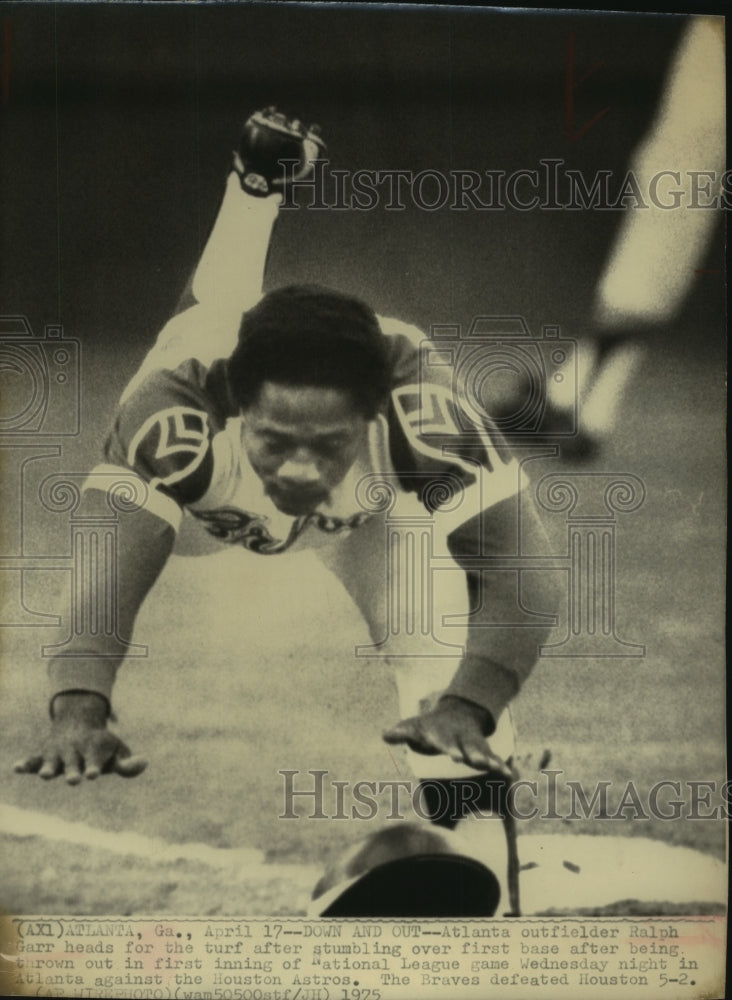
x=362 y=560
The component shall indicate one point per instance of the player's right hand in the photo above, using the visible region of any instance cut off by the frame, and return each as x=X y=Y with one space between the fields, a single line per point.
x=80 y=745
x=268 y=138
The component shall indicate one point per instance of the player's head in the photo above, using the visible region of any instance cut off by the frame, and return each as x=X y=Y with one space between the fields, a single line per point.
x=306 y=335
x=309 y=372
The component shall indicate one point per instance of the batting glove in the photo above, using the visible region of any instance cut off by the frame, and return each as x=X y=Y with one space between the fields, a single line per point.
x=269 y=138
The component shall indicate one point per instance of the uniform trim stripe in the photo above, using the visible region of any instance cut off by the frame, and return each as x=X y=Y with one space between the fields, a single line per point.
x=154 y=501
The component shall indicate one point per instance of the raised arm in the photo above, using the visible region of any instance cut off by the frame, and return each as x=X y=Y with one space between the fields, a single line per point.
x=273 y=149
x=162 y=437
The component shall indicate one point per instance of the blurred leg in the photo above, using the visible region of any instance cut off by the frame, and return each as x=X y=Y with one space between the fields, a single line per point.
x=659 y=245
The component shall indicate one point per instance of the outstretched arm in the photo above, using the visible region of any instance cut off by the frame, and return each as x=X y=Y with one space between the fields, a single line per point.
x=162 y=436
x=274 y=150
x=444 y=449
x=159 y=452
x=79 y=742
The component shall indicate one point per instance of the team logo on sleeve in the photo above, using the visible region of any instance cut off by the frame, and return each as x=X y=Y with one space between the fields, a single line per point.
x=435 y=426
x=172 y=444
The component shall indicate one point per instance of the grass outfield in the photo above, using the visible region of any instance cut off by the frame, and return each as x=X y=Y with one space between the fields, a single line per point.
x=219 y=713
x=250 y=671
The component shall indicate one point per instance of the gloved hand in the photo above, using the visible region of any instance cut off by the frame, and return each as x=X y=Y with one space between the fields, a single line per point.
x=269 y=138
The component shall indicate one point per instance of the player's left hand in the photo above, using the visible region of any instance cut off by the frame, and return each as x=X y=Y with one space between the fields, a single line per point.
x=455 y=727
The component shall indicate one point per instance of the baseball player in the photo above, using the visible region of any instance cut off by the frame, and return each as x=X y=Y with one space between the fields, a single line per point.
x=662 y=242
x=279 y=423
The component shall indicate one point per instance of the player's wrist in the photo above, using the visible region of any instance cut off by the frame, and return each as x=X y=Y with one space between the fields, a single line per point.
x=85 y=707
x=481 y=715
x=250 y=181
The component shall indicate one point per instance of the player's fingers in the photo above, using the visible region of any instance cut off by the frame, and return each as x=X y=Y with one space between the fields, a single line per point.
x=477 y=753
x=455 y=751
x=50 y=767
x=436 y=740
x=97 y=759
x=113 y=756
x=444 y=739
x=404 y=730
x=72 y=765
x=410 y=731
x=129 y=767
x=92 y=770
x=311 y=150
x=30 y=765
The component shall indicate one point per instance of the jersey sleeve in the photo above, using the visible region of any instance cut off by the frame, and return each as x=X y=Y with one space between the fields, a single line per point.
x=435 y=436
x=157 y=459
x=457 y=461
x=163 y=433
